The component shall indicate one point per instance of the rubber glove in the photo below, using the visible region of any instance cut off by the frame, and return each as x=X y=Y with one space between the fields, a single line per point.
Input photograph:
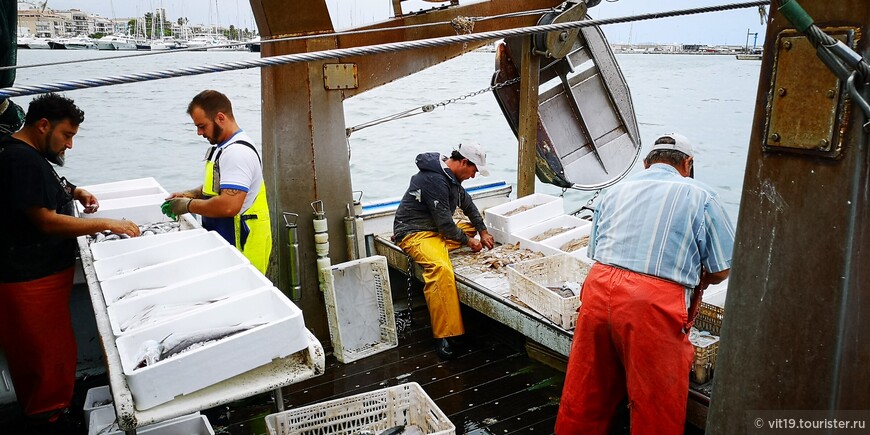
x=166 y=208
x=175 y=207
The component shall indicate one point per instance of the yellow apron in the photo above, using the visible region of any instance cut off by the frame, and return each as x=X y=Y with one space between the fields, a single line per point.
x=430 y=250
x=250 y=231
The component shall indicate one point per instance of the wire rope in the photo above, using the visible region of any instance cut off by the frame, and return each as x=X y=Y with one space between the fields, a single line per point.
x=356 y=51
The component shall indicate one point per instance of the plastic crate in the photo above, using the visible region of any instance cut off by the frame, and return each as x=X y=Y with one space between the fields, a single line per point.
x=359 y=308
x=706 y=349
x=378 y=410
x=709 y=318
x=529 y=281
x=96 y=398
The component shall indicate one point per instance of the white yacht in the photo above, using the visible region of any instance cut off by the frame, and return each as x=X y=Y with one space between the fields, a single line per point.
x=166 y=43
x=202 y=42
x=80 y=43
x=33 y=43
x=116 y=42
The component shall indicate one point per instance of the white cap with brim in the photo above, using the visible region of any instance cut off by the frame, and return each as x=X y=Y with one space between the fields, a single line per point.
x=681 y=144
x=474 y=153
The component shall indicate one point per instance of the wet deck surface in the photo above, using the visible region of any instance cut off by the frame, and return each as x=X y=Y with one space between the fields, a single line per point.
x=492 y=387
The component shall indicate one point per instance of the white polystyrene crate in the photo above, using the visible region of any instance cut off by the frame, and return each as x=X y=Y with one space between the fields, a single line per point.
x=582 y=254
x=715 y=294
x=120 y=186
x=359 y=307
x=156 y=254
x=111 y=248
x=556 y=242
x=171 y=272
x=372 y=412
x=543 y=207
x=281 y=332
x=525 y=236
x=103 y=422
x=139 y=209
x=96 y=398
x=184 y=298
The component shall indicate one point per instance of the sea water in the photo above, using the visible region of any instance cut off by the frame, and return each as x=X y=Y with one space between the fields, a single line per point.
x=142 y=129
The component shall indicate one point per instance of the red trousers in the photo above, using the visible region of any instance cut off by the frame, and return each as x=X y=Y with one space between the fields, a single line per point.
x=628 y=341
x=36 y=333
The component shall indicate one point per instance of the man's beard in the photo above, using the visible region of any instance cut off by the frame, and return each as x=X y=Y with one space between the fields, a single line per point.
x=58 y=159
x=217 y=131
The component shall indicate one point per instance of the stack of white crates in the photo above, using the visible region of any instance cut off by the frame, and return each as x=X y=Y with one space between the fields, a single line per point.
x=185 y=284
x=505 y=220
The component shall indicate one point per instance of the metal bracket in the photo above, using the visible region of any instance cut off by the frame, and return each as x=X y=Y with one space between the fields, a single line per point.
x=340 y=76
x=806 y=105
x=558 y=44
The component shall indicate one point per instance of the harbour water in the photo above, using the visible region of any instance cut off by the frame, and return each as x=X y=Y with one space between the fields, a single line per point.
x=142 y=130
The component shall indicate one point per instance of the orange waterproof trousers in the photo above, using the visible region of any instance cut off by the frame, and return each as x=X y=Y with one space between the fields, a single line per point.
x=628 y=340
x=430 y=250
x=36 y=333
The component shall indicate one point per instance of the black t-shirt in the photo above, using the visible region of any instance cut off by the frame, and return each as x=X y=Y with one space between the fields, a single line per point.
x=28 y=181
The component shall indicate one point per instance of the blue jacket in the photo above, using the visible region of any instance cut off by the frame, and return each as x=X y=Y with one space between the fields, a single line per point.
x=429 y=203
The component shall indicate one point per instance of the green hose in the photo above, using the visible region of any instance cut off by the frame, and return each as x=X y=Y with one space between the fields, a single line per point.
x=798 y=17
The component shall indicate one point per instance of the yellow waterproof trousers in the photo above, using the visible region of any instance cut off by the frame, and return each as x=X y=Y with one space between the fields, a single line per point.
x=430 y=250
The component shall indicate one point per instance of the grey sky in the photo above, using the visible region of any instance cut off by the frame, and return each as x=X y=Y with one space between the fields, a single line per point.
x=714 y=28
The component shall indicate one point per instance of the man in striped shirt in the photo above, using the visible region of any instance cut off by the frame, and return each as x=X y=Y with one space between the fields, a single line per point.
x=656 y=236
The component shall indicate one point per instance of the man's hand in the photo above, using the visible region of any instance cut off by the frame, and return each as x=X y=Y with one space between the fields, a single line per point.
x=175 y=207
x=192 y=193
x=122 y=227
x=474 y=244
x=87 y=199
x=486 y=239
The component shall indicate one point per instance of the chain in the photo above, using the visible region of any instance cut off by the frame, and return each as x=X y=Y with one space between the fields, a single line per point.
x=594 y=197
x=428 y=107
x=496 y=86
x=404 y=318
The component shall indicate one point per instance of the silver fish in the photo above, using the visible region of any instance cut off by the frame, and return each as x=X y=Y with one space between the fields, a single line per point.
x=174 y=345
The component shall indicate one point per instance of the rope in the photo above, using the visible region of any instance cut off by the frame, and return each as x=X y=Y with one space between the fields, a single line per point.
x=356 y=51
x=276 y=40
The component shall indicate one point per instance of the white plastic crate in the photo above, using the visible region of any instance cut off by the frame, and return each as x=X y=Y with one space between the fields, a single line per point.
x=551 y=245
x=171 y=272
x=181 y=299
x=555 y=243
x=359 y=307
x=529 y=281
x=504 y=227
x=102 y=422
x=112 y=248
x=281 y=332
x=405 y=404
x=156 y=254
x=96 y=398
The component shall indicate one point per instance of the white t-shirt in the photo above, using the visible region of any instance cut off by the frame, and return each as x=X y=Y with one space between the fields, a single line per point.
x=240 y=168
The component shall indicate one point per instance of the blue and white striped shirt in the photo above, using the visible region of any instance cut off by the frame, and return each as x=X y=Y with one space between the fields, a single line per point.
x=659 y=223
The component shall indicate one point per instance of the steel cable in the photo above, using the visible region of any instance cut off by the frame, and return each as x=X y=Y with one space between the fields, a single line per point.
x=356 y=51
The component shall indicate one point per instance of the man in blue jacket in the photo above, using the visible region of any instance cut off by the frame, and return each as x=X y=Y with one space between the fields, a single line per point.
x=424 y=228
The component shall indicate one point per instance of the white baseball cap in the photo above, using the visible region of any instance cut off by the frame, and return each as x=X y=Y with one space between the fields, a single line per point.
x=474 y=153
x=680 y=143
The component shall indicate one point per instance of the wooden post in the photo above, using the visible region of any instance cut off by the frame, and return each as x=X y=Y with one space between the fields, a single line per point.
x=530 y=65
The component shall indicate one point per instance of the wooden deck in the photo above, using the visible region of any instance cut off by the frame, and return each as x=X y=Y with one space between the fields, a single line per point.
x=492 y=387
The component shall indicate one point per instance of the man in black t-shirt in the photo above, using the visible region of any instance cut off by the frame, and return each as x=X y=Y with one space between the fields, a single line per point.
x=37 y=253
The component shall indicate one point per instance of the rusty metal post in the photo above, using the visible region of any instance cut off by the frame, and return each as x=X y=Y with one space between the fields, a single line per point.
x=796 y=334
x=530 y=66
x=305 y=155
